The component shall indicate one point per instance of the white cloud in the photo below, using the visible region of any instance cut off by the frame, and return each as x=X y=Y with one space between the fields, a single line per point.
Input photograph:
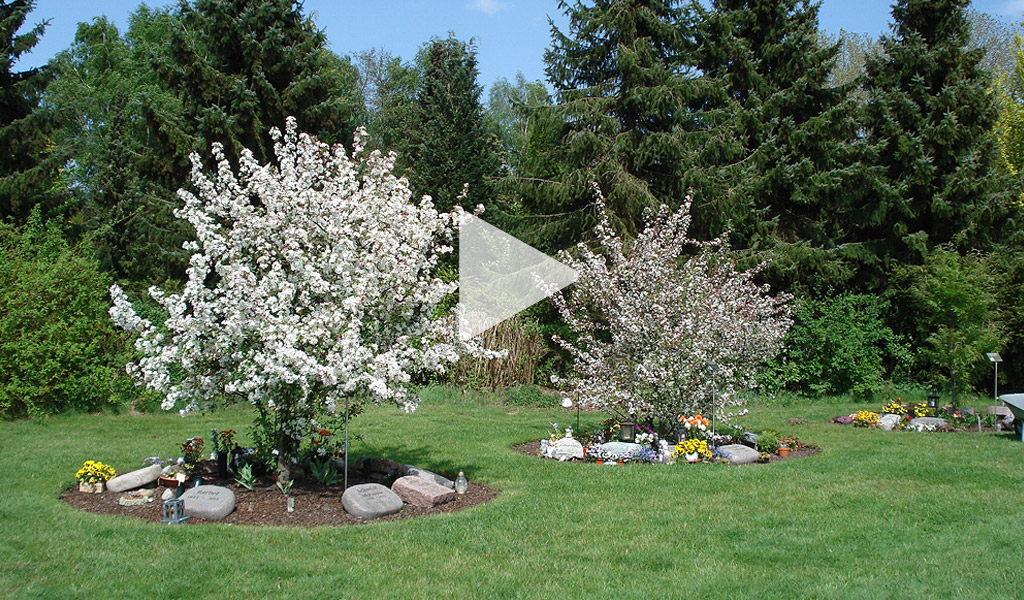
x=488 y=7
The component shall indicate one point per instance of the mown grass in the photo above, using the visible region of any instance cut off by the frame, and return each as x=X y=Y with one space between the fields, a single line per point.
x=874 y=515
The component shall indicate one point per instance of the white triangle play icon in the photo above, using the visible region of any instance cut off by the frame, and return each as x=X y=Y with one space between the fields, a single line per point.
x=500 y=276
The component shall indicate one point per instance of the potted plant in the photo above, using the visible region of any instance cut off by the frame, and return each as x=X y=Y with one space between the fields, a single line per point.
x=173 y=476
x=783 y=449
x=693 y=450
x=93 y=476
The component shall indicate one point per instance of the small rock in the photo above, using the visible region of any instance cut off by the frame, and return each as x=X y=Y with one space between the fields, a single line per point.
x=425 y=474
x=422 y=492
x=888 y=420
x=134 y=479
x=137 y=498
x=370 y=501
x=738 y=454
x=967 y=410
x=566 y=449
x=750 y=439
x=168 y=494
x=210 y=502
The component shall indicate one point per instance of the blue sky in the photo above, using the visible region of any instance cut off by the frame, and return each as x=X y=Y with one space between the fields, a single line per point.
x=511 y=35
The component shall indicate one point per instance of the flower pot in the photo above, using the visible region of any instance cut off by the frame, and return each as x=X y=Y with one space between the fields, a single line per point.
x=169 y=482
x=600 y=462
x=91 y=488
x=692 y=457
x=783 y=451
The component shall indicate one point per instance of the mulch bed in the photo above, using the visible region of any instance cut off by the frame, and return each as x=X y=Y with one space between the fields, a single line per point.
x=266 y=505
x=533 y=449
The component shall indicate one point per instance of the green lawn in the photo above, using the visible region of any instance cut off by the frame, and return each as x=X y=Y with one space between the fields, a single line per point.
x=874 y=515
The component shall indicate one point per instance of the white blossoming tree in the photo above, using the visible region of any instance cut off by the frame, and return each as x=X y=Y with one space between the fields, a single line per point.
x=311 y=281
x=660 y=332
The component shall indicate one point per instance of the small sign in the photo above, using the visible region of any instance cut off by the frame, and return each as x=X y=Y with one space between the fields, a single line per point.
x=994 y=357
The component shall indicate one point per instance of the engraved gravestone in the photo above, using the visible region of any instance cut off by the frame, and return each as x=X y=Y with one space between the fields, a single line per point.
x=370 y=501
x=210 y=502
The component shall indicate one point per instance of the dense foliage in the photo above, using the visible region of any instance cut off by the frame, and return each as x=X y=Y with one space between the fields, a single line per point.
x=58 y=349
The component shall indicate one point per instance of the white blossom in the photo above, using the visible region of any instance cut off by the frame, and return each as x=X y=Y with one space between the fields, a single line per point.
x=309 y=281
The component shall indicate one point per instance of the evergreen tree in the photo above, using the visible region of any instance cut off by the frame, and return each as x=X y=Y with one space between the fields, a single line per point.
x=627 y=113
x=930 y=118
x=450 y=143
x=798 y=131
x=127 y=143
x=242 y=66
x=26 y=170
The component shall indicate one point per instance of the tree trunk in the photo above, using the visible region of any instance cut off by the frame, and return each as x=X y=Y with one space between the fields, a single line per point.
x=284 y=463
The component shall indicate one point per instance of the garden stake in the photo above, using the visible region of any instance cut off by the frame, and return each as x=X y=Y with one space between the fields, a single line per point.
x=346 y=441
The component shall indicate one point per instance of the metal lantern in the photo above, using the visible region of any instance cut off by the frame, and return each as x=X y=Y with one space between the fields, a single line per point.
x=174 y=511
x=933 y=398
x=627 y=432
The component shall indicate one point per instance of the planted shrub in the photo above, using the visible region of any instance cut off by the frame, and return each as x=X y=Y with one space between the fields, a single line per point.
x=58 y=349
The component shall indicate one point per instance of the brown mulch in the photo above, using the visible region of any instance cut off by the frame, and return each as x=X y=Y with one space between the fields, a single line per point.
x=266 y=505
x=533 y=448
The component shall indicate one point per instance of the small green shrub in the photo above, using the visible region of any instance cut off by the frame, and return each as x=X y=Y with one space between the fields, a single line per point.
x=768 y=441
x=59 y=350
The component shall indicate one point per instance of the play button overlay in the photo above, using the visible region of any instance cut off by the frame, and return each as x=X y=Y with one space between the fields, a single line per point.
x=500 y=276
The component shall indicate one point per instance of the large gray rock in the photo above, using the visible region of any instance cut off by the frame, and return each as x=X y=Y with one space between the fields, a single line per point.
x=422 y=492
x=134 y=479
x=566 y=449
x=738 y=454
x=425 y=474
x=370 y=501
x=888 y=420
x=210 y=502
x=928 y=422
x=750 y=438
x=616 y=450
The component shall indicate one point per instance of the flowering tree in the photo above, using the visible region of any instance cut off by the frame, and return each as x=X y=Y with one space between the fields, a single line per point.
x=660 y=332
x=310 y=282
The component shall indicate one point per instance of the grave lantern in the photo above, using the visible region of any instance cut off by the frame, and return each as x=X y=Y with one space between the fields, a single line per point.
x=174 y=511
x=933 y=398
x=627 y=432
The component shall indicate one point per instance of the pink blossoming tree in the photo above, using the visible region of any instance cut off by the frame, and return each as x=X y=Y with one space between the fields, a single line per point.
x=665 y=325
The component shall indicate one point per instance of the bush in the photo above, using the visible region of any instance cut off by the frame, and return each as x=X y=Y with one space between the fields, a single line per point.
x=59 y=350
x=838 y=345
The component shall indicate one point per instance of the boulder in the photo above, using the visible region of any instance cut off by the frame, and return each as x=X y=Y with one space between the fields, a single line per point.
x=425 y=474
x=928 y=422
x=750 y=438
x=370 y=501
x=738 y=454
x=566 y=448
x=617 y=450
x=422 y=492
x=210 y=502
x=888 y=420
x=134 y=479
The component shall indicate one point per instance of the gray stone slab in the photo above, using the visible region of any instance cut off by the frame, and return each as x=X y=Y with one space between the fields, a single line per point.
x=619 y=449
x=425 y=474
x=210 y=502
x=738 y=454
x=928 y=421
x=422 y=492
x=134 y=479
x=370 y=501
x=999 y=410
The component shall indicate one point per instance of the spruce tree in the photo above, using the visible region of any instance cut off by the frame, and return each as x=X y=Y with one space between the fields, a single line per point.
x=242 y=66
x=930 y=118
x=450 y=145
x=26 y=171
x=800 y=166
x=627 y=111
